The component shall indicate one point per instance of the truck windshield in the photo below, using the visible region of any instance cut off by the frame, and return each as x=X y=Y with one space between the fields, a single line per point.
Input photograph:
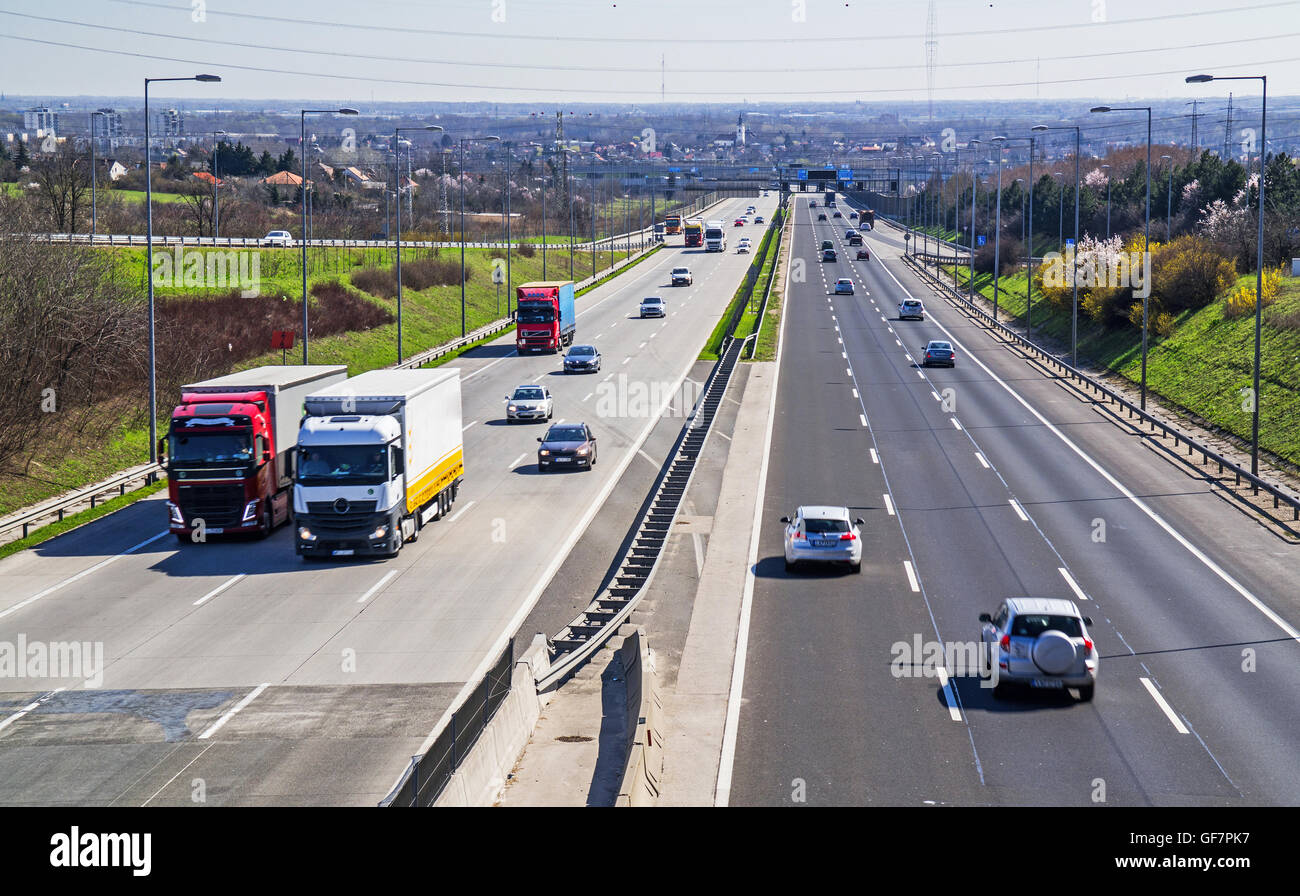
x=713 y=234
x=225 y=448
x=350 y=464
x=535 y=313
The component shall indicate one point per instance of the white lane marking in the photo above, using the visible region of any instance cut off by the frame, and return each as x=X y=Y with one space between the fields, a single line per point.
x=948 y=697
x=558 y=422
x=28 y=708
x=911 y=575
x=897 y=342
x=1020 y=511
x=889 y=505
x=955 y=422
x=848 y=371
x=654 y=334
x=722 y=792
x=1164 y=705
x=891 y=329
x=1069 y=580
x=855 y=393
x=588 y=396
x=607 y=376
x=625 y=360
x=875 y=458
x=936 y=395
x=863 y=418
x=230 y=713
x=980 y=458
x=380 y=584
x=468 y=425
x=177 y=775
x=514 y=463
x=81 y=575
x=457 y=515
x=1123 y=489
x=220 y=588
x=919 y=373
x=844 y=355
x=641 y=346
x=839 y=339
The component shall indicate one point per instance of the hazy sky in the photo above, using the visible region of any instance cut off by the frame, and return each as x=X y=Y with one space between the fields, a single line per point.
x=603 y=51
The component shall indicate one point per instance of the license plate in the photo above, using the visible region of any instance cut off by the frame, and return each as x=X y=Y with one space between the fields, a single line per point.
x=826 y=542
x=1047 y=683
x=563 y=460
x=215 y=531
x=348 y=552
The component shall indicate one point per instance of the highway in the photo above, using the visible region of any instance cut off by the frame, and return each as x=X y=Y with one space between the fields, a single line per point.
x=977 y=483
x=275 y=681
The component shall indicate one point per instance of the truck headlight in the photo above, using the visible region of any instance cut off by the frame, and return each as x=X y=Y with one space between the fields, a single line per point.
x=250 y=510
x=305 y=534
x=380 y=532
x=174 y=510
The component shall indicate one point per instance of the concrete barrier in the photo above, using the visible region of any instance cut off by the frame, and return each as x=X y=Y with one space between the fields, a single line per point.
x=482 y=773
x=645 y=763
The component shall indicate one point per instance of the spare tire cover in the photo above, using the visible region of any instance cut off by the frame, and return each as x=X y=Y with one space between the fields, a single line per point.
x=1054 y=652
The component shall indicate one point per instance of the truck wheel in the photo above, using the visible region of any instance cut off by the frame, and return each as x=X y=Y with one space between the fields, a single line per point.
x=268 y=521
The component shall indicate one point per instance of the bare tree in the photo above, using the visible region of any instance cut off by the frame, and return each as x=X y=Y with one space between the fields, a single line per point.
x=197 y=199
x=63 y=177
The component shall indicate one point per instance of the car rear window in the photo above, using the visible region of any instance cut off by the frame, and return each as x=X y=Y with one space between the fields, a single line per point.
x=941 y=346
x=1031 y=625
x=825 y=527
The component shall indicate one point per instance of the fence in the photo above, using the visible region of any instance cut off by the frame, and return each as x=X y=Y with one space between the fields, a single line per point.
x=1132 y=411
x=428 y=774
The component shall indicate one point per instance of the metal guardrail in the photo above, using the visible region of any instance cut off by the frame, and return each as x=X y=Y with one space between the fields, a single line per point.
x=92 y=494
x=613 y=605
x=1133 y=411
x=427 y=774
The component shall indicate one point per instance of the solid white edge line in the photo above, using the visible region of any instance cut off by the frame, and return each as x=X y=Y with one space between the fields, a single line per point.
x=457 y=515
x=911 y=573
x=1164 y=705
x=726 y=763
x=81 y=575
x=220 y=588
x=1020 y=511
x=949 y=697
x=468 y=425
x=514 y=463
x=889 y=505
x=1123 y=489
x=380 y=584
x=230 y=713
x=1069 y=580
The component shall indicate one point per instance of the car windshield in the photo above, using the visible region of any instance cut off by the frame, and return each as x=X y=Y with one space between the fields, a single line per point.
x=217 y=448
x=825 y=527
x=351 y=464
x=533 y=394
x=652 y=301
x=582 y=350
x=1032 y=625
x=680 y=271
x=566 y=434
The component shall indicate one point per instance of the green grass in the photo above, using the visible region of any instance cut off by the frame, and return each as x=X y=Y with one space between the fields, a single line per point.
x=45 y=533
x=769 y=333
x=138 y=196
x=714 y=344
x=1202 y=366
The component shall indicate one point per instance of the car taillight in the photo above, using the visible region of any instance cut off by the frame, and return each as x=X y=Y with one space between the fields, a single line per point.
x=1005 y=643
x=1087 y=645
x=848 y=536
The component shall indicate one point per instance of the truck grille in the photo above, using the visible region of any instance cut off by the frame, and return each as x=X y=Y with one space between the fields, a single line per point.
x=354 y=508
x=216 y=505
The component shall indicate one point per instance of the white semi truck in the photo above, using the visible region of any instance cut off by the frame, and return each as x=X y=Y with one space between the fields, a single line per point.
x=715 y=237
x=379 y=456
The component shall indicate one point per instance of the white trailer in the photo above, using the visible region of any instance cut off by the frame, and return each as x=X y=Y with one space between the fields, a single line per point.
x=379 y=456
x=715 y=236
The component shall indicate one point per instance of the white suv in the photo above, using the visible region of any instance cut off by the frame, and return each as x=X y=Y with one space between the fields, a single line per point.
x=822 y=534
x=1042 y=643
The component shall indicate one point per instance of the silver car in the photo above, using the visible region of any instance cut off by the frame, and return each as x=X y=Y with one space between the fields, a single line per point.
x=653 y=306
x=909 y=308
x=1042 y=643
x=530 y=403
x=821 y=534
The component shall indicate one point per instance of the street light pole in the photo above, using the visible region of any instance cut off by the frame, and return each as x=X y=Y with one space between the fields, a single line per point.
x=216 y=180
x=148 y=204
x=93 y=177
x=1146 y=247
x=397 y=184
x=1106 y=168
x=1169 y=199
x=302 y=148
x=1259 y=249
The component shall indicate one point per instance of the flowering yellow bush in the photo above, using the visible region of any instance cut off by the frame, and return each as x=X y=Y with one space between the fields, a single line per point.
x=1241 y=301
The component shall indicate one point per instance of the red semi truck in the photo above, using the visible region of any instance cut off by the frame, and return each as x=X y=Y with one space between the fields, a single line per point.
x=229 y=445
x=545 y=316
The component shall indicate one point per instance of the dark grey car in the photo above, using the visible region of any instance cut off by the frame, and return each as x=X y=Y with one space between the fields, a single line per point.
x=582 y=359
x=937 y=351
x=566 y=445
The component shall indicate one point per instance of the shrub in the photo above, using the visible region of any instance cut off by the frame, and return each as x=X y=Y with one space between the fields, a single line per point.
x=1241 y=301
x=527 y=250
x=1189 y=272
x=377 y=281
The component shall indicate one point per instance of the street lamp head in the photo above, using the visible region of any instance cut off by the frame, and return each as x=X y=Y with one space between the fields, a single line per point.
x=347 y=111
x=433 y=127
x=207 y=78
x=1043 y=127
x=1100 y=109
x=1001 y=138
x=1198 y=79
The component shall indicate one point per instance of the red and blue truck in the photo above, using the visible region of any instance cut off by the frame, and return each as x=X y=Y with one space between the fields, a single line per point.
x=545 y=316
x=229 y=449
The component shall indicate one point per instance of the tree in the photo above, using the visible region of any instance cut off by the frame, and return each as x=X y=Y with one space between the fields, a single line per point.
x=21 y=158
x=197 y=199
x=64 y=183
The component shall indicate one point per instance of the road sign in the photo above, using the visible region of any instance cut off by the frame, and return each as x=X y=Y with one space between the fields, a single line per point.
x=674 y=169
x=283 y=340
x=1069 y=243
x=979 y=240
x=803 y=174
x=846 y=174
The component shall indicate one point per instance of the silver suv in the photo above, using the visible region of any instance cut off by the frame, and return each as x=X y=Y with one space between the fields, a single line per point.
x=1042 y=643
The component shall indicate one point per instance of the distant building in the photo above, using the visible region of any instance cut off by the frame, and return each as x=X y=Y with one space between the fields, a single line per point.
x=106 y=129
x=42 y=119
x=740 y=129
x=168 y=123
x=283 y=179
x=113 y=168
